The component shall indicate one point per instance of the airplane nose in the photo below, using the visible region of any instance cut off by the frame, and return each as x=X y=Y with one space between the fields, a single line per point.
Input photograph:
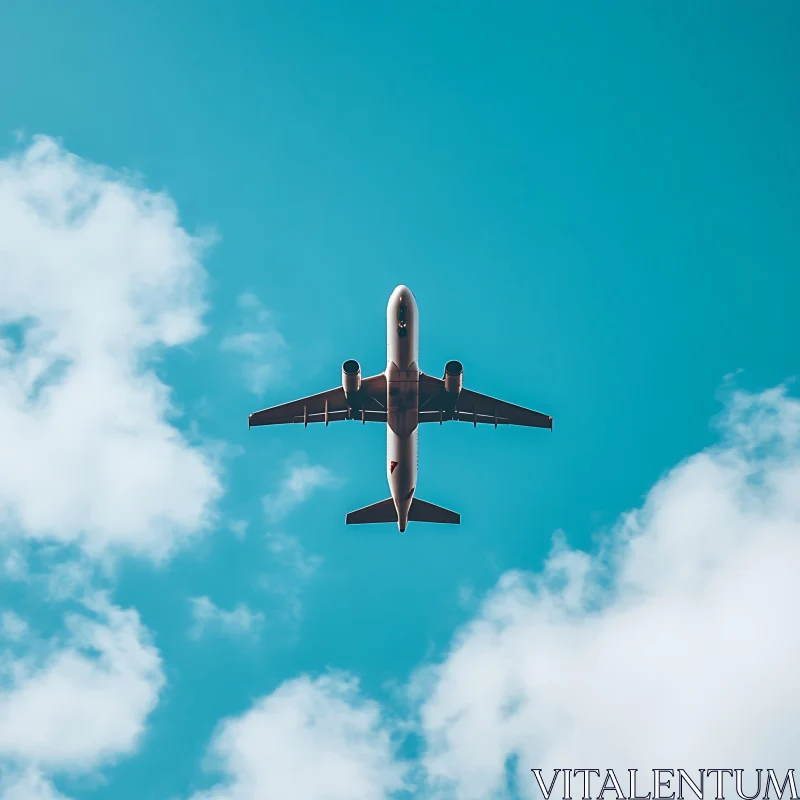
x=402 y=291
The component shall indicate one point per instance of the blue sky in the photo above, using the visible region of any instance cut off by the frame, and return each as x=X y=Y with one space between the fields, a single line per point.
x=597 y=212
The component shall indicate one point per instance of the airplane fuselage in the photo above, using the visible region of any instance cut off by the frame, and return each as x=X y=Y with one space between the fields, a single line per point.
x=402 y=399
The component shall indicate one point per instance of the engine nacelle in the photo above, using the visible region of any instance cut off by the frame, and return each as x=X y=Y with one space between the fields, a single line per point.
x=453 y=377
x=351 y=378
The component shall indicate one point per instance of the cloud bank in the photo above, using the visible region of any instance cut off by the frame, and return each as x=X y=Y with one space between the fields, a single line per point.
x=674 y=646
x=98 y=279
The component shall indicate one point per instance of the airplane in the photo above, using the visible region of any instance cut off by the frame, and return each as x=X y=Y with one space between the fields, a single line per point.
x=402 y=397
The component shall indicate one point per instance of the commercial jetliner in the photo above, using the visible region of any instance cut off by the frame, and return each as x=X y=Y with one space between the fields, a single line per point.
x=402 y=397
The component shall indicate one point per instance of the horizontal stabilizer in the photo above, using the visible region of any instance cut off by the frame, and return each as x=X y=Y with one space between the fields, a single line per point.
x=421 y=511
x=377 y=512
x=385 y=511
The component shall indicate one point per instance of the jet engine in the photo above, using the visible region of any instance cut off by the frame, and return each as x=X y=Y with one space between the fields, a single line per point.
x=351 y=378
x=453 y=377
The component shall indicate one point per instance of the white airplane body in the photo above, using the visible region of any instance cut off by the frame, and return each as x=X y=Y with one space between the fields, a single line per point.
x=402 y=397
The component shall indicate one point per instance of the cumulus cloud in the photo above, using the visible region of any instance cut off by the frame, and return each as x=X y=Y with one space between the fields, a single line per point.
x=239 y=621
x=674 y=645
x=85 y=701
x=98 y=278
x=258 y=342
x=308 y=740
x=297 y=486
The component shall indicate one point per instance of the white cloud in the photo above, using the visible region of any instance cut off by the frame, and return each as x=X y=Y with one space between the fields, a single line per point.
x=298 y=485
x=308 y=740
x=12 y=626
x=86 y=701
x=674 y=646
x=239 y=621
x=259 y=342
x=27 y=784
x=97 y=277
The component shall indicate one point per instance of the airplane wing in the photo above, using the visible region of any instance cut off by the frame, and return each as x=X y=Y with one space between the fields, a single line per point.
x=437 y=405
x=367 y=405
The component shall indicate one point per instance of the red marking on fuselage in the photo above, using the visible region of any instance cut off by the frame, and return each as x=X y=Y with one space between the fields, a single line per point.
x=392 y=465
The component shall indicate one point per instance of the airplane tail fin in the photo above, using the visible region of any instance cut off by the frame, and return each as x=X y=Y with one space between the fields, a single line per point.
x=420 y=511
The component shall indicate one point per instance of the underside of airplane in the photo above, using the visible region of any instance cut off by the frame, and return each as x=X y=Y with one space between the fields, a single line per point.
x=402 y=397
